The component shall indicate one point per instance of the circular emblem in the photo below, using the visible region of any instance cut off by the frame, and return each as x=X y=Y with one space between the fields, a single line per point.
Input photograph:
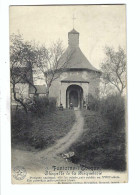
x=19 y=173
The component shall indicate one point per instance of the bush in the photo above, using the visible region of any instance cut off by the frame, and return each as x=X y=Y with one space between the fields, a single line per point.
x=93 y=103
x=34 y=133
x=99 y=146
x=42 y=105
x=19 y=122
x=103 y=143
x=113 y=109
x=52 y=104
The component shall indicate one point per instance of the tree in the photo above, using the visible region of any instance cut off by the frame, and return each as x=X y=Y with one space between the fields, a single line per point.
x=48 y=62
x=22 y=59
x=27 y=59
x=114 y=69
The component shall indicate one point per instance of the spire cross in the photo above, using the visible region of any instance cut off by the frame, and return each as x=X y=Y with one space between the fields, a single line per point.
x=73 y=18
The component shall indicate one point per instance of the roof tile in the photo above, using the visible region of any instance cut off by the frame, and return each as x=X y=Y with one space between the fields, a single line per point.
x=75 y=59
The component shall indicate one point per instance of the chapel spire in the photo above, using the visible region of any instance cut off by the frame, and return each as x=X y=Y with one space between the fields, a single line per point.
x=73 y=38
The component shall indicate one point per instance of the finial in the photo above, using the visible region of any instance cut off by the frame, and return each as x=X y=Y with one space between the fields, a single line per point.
x=73 y=20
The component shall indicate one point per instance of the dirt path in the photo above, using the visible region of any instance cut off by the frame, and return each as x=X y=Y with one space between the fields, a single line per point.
x=50 y=156
x=64 y=143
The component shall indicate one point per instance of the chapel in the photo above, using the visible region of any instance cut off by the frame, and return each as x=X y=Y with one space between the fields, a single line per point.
x=80 y=79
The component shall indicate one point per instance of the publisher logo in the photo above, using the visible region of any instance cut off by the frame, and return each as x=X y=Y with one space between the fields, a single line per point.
x=19 y=173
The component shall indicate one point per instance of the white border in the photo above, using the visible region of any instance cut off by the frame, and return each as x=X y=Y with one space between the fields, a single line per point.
x=133 y=44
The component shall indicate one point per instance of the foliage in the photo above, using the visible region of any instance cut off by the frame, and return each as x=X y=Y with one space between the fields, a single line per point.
x=93 y=103
x=35 y=133
x=19 y=122
x=113 y=109
x=103 y=143
x=52 y=104
x=114 y=69
x=27 y=58
x=22 y=59
x=42 y=105
x=38 y=108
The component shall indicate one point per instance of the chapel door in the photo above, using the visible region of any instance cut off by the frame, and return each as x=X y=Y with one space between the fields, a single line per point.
x=74 y=98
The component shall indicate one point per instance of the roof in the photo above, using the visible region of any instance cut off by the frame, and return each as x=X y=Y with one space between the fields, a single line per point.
x=73 y=78
x=75 y=59
x=73 y=31
x=41 y=89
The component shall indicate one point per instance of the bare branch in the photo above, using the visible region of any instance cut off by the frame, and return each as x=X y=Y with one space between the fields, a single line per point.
x=114 y=68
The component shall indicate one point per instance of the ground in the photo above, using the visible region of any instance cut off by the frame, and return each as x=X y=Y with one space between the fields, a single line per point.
x=36 y=133
x=52 y=155
x=100 y=145
x=90 y=138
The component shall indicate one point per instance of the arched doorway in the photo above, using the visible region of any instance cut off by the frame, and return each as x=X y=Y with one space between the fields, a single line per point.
x=74 y=95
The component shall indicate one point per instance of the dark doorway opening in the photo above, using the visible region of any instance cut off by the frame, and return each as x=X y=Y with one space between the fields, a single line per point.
x=74 y=95
x=73 y=98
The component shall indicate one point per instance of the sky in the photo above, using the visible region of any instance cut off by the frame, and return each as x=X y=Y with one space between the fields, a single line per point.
x=98 y=25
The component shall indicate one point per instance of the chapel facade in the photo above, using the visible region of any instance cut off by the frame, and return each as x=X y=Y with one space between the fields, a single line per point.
x=79 y=80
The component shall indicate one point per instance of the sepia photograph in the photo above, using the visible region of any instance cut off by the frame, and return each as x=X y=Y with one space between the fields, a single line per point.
x=68 y=81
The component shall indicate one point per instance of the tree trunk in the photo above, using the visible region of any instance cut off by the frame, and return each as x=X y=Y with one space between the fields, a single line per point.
x=30 y=83
x=47 y=93
x=18 y=100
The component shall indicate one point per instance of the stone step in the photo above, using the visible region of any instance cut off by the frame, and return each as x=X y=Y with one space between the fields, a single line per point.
x=75 y=108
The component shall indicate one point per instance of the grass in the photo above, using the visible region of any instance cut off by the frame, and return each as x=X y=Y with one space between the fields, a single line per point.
x=100 y=146
x=43 y=132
